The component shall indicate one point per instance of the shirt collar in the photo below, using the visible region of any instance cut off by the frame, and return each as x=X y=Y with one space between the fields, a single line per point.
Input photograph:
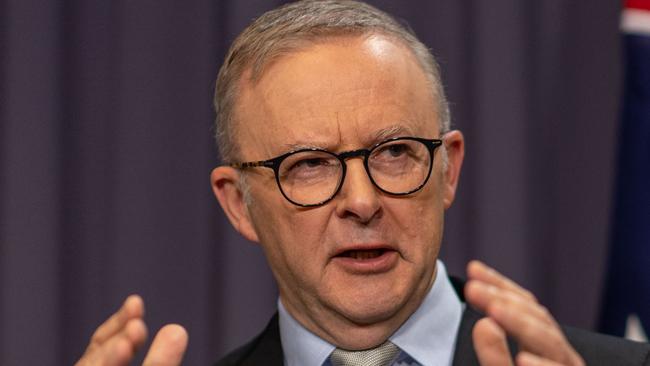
x=299 y=345
x=428 y=336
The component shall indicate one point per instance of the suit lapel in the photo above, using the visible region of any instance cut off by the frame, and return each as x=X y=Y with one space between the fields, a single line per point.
x=267 y=348
x=464 y=355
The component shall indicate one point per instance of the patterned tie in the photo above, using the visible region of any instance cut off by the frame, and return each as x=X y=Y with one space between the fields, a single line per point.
x=381 y=355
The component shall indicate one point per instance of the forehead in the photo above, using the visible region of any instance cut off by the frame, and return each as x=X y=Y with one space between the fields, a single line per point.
x=339 y=93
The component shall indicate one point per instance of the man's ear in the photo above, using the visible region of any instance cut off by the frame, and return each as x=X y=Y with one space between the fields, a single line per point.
x=454 y=142
x=226 y=185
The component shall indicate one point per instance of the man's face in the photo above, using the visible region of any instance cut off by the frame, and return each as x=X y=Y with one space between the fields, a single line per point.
x=363 y=262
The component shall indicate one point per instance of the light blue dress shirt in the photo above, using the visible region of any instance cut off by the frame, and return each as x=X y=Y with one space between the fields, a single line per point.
x=427 y=338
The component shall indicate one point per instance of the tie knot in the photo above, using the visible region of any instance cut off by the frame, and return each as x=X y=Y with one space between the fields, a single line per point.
x=381 y=355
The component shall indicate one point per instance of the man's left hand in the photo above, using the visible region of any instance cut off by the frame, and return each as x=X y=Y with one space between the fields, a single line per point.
x=513 y=311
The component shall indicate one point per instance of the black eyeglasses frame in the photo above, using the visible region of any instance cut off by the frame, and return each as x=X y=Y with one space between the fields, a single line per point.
x=274 y=164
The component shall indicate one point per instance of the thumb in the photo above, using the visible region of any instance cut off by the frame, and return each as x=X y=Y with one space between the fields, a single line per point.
x=168 y=347
x=490 y=344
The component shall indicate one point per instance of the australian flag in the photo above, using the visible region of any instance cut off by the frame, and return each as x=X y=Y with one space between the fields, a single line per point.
x=627 y=292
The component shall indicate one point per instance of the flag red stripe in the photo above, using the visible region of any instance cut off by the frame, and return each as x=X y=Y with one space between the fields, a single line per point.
x=637 y=4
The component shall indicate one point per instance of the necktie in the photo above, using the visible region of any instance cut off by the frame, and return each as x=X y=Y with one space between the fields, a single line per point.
x=381 y=355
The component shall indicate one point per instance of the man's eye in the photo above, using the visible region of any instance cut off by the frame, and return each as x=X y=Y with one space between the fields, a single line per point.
x=393 y=151
x=397 y=150
x=311 y=163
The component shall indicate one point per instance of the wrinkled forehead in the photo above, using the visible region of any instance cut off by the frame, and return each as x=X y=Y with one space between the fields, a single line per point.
x=317 y=89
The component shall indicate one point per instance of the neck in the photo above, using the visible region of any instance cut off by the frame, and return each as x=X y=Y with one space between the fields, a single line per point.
x=350 y=334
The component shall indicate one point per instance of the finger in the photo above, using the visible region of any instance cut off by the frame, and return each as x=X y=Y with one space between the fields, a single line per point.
x=118 y=337
x=135 y=332
x=532 y=334
x=168 y=347
x=477 y=270
x=481 y=295
x=490 y=344
x=119 y=349
x=133 y=307
x=528 y=359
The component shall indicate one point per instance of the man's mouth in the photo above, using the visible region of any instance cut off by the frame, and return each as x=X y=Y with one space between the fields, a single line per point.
x=370 y=260
x=363 y=254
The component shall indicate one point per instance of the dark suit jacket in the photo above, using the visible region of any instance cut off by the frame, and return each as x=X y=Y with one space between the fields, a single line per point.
x=596 y=349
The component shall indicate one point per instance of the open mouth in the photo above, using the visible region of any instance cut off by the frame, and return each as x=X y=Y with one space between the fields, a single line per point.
x=366 y=260
x=363 y=254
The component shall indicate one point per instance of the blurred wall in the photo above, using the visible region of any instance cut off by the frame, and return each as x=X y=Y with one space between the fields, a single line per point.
x=105 y=151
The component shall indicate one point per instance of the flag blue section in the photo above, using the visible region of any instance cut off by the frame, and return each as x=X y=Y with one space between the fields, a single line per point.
x=628 y=280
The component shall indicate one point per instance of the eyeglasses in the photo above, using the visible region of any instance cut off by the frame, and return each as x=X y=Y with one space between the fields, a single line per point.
x=312 y=177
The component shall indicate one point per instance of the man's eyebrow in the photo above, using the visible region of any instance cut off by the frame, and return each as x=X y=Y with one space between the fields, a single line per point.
x=378 y=136
x=301 y=146
x=390 y=131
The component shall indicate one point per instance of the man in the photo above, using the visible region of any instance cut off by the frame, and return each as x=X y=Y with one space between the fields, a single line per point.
x=341 y=164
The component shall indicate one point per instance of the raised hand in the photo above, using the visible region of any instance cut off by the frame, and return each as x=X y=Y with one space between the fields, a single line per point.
x=115 y=342
x=514 y=311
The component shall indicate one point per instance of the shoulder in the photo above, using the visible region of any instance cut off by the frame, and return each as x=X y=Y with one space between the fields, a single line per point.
x=600 y=349
x=239 y=355
x=265 y=349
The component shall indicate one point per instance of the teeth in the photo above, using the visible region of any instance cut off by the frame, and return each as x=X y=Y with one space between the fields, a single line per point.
x=365 y=254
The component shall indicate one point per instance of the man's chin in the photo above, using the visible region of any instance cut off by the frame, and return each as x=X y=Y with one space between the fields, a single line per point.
x=372 y=311
x=364 y=326
x=369 y=300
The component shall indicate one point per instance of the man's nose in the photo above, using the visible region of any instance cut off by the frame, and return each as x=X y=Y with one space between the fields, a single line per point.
x=359 y=198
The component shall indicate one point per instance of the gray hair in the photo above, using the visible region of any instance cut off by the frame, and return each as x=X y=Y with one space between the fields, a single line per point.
x=294 y=26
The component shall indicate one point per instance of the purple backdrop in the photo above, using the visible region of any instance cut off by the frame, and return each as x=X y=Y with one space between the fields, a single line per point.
x=105 y=151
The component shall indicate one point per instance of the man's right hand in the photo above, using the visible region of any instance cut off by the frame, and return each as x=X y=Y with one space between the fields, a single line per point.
x=118 y=338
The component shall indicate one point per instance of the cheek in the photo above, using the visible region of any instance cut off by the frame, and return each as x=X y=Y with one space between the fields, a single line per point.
x=428 y=225
x=422 y=223
x=305 y=240
x=292 y=239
